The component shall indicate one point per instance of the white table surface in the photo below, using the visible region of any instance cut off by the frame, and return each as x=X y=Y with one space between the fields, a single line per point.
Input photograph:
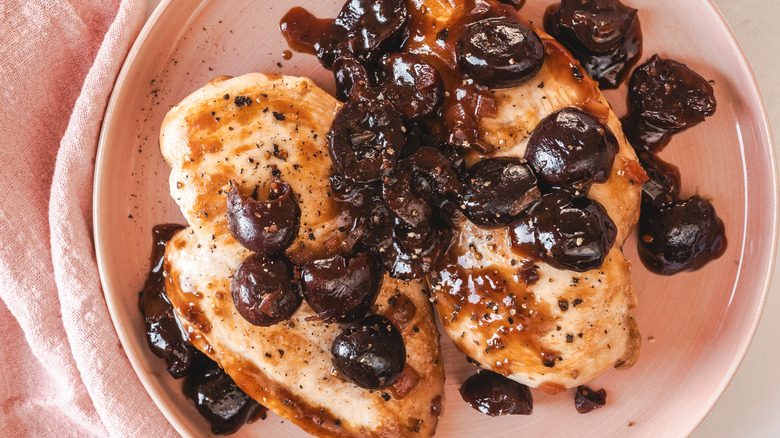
x=750 y=407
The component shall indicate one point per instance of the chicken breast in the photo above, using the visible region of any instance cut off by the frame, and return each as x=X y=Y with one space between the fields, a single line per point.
x=547 y=328
x=246 y=129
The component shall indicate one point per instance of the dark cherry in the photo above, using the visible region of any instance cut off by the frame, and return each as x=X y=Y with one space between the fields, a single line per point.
x=373 y=27
x=263 y=289
x=587 y=399
x=415 y=182
x=370 y=222
x=264 y=226
x=425 y=132
x=682 y=236
x=597 y=26
x=500 y=52
x=496 y=190
x=571 y=148
x=494 y=395
x=456 y=156
x=412 y=85
x=306 y=33
x=666 y=97
x=643 y=135
x=412 y=254
x=670 y=95
x=516 y=3
x=663 y=186
x=354 y=194
x=340 y=289
x=165 y=336
x=376 y=222
x=168 y=341
x=220 y=400
x=604 y=35
x=573 y=233
x=370 y=353
x=462 y=118
x=365 y=139
x=353 y=80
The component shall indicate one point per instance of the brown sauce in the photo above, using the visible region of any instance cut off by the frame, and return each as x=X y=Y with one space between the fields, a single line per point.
x=303 y=31
x=280 y=399
x=497 y=307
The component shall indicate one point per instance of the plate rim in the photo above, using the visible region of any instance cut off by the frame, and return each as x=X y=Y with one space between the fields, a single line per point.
x=98 y=228
x=752 y=91
x=768 y=272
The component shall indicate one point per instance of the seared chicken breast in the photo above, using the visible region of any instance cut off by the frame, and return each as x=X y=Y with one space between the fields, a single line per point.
x=545 y=327
x=248 y=129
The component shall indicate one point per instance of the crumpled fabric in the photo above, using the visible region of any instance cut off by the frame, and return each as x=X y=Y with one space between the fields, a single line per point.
x=63 y=371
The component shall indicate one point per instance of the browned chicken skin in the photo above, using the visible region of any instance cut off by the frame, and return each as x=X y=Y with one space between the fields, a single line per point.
x=545 y=327
x=567 y=327
x=208 y=140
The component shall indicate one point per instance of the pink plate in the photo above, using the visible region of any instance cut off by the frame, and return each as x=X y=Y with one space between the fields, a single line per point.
x=696 y=326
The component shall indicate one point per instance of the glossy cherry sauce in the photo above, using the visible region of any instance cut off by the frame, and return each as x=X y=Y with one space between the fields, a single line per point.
x=214 y=393
x=406 y=192
x=467 y=70
x=605 y=35
x=486 y=46
x=675 y=235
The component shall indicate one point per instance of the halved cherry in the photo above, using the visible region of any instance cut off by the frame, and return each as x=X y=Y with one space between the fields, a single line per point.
x=365 y=139
x=571 y=149
x=412 y=85
x=495 y=395
x=263 y=290
x=264 y=226
x=373 y=27
x=340 y=289
x=500 y=52
x=416 y=182
x=682 y=236
x=567 y=232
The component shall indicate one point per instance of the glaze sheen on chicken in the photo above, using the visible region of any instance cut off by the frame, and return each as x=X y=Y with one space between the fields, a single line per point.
x=279 y=124
x=565 y=328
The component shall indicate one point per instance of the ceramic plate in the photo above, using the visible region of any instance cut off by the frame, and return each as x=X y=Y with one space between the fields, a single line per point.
x=696 y=326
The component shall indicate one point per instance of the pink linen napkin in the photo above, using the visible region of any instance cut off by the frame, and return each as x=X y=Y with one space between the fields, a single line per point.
x=62 y=369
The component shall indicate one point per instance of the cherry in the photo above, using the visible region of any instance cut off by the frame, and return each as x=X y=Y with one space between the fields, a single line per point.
x=340 y=289
x=496 y=190
x=500 y=52
x=370 y=353
x=571 y=149
x=263 y=289
x=365 y=139
x=495 y=395
x=264 y=226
